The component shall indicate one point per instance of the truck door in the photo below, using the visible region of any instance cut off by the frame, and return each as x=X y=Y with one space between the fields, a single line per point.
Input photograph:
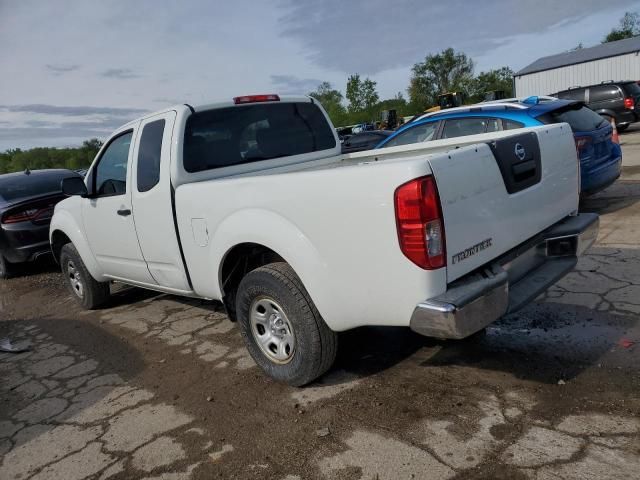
x=152 y=204
x=107 y=214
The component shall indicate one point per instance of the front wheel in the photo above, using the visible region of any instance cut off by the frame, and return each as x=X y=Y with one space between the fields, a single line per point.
x=281 y=326
x=86 y=290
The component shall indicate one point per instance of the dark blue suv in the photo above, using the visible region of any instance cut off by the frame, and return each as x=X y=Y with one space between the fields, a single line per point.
x=600 y=156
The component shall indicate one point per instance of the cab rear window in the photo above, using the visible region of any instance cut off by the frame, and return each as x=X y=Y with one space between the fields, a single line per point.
x=230 y=136
x=579 y=118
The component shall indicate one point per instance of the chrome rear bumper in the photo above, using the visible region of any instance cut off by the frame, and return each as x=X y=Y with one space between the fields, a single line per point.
x=506 y=285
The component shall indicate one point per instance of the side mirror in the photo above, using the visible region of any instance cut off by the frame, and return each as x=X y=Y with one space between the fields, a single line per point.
x=74 y=186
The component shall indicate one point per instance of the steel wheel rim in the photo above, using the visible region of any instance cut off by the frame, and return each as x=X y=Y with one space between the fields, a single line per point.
x=75 y=280
x=272 y=330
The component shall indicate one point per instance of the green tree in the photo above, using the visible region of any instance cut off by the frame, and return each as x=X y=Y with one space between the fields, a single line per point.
x=331 y=100
x=628 y=27
x=354 y=85
x=361 y=94
x=16 y=160
x=443 y=72
x=497 y=79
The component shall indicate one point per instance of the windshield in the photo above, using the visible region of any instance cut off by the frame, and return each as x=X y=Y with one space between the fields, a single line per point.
x=16 y=187
x=579 y=117
x=230 y=136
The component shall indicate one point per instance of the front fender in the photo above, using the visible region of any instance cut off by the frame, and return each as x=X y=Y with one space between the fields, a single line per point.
x=63 y=221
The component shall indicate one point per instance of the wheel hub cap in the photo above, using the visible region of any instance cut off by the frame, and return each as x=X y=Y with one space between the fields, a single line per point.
x=74 y=279
x=272 y=330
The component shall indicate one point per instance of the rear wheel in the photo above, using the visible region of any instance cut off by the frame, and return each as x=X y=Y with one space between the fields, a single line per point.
x=84 y=288
x=281 y=326
x=622 y=128
x=6 y=269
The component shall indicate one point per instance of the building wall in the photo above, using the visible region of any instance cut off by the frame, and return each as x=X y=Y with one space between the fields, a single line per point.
x=622 y=67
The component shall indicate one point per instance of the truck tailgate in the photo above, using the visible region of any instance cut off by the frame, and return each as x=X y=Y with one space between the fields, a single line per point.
x=496 y=195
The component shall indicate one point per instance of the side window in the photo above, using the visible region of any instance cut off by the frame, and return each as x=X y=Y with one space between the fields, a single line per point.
x=575 y=94
x=511 y=124
x=461 y=127
x=149 y=155
x=602 y=93
x=493 y=125
x=420 y=133
x=111 y=172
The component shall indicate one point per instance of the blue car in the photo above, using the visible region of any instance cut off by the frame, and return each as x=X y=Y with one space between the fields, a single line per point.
x=600 y=156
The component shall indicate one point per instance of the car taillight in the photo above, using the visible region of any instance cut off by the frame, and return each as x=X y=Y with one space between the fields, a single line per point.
x=420 y=224
x=29 y=214
x=629 y=103
x=582 y=143
x=21 y=216
x=256 y=98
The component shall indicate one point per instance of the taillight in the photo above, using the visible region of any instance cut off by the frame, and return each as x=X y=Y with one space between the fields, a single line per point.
x=256 y=98
x=420 y=224
x=21 y=216
x=582 y=143
x=629 y=103
x=31 y=214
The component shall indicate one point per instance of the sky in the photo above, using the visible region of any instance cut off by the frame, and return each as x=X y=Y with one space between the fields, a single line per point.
x=77 y=69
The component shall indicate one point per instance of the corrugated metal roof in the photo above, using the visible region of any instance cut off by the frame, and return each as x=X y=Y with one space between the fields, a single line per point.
x=611 y=49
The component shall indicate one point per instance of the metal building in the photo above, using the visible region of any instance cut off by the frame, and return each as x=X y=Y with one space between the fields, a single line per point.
x=587 y=66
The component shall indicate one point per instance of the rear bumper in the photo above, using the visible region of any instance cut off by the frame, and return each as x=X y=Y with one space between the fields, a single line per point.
x=478 y=299
x=601 y=176
x=626 y=117
x=24 y=242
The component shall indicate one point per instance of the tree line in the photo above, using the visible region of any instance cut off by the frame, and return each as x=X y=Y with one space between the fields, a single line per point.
x=73 y=158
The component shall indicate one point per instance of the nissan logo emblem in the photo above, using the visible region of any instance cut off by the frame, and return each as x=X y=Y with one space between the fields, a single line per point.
x=520 y=151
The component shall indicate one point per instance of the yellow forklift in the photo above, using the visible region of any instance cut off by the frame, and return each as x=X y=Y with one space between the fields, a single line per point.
x=448 y=100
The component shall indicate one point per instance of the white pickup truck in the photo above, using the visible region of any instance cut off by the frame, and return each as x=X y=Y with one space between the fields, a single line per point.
x=250 y=202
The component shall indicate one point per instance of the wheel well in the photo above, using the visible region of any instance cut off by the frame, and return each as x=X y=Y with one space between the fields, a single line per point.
x=239 y=261
x=58 y=240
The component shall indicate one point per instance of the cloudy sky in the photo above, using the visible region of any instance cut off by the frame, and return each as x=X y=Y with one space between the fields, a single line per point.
x=75 y=69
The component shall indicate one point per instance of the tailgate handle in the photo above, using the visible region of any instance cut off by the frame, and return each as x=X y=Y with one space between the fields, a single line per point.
x=519 y=160
x=524 y=170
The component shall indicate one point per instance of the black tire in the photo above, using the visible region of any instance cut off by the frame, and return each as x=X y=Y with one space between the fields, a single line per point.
x=83 y=287
x=315 y=343
x=7 y=270
x=622 y=128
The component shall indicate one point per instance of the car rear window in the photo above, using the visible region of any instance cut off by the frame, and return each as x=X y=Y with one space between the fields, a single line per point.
x=230 y=136
x=631 y=88
x=580 y=118
x=16 y=187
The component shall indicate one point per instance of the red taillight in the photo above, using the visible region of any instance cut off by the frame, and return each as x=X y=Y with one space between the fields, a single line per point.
x=21 y=216
x=31 y=214
x=629 y=103
x=256 y=98
x=582 y=143
x=420 y=224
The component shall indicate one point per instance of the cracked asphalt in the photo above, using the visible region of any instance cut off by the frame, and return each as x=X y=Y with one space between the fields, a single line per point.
x=160 y=387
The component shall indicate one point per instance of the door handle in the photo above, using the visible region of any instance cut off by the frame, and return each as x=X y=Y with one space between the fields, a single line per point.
x=124 y=212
